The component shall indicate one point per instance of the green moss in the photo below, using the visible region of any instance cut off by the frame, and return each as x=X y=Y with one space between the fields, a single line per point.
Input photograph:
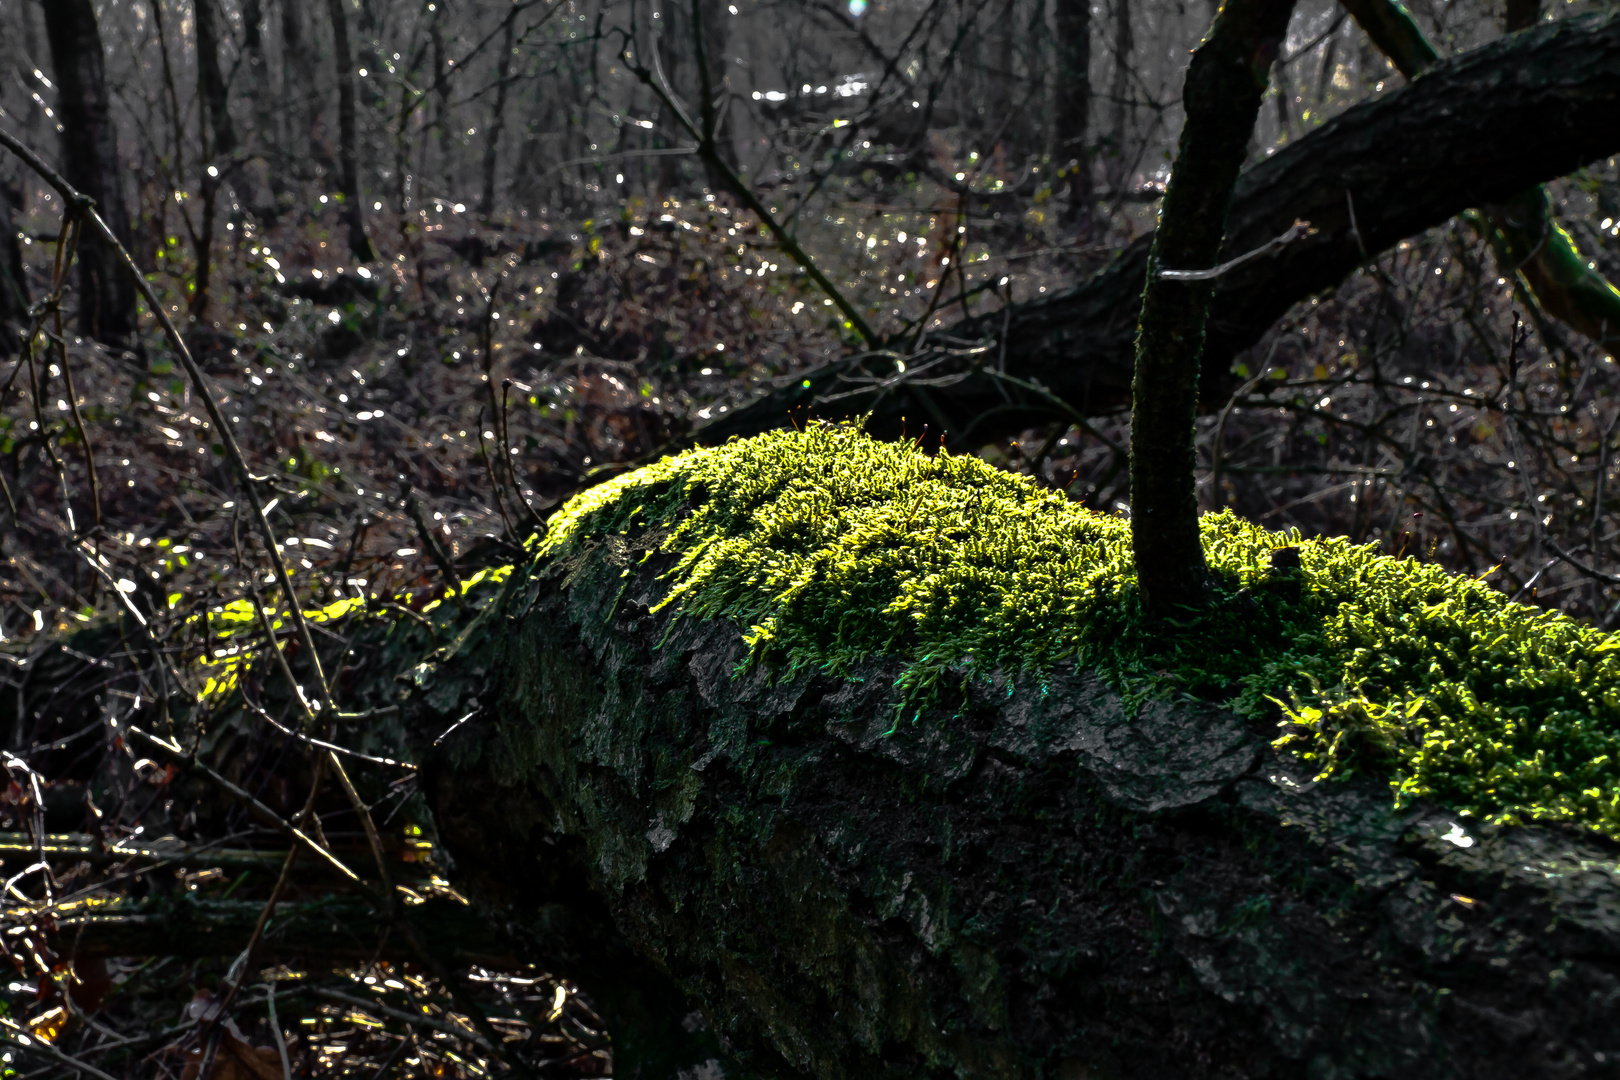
x=835 y=549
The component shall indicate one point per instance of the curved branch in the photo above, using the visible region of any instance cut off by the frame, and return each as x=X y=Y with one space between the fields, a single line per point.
x=1474 y=130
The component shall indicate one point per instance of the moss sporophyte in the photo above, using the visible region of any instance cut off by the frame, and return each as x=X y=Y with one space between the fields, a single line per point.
x=834 y=548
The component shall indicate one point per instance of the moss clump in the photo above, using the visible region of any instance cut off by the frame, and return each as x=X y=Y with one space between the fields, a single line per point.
x=834 y=548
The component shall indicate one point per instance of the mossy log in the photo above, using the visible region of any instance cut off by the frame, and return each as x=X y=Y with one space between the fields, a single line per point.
x=1034 y=875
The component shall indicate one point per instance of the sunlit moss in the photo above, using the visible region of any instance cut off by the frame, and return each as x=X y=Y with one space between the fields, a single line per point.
x=834 y=548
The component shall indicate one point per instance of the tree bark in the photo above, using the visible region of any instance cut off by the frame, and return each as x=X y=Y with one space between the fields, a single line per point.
x=1071 y=124
x=348 y=137
x=1221 y=96
x=14 y=299
x=497 y=121
x=219 y=143
x=211 y=88
x=90 y=163
x=1031 y=880
x=1478 y=128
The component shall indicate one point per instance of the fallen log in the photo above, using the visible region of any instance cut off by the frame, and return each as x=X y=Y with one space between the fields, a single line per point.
x=1479 y=128
x=866 y=757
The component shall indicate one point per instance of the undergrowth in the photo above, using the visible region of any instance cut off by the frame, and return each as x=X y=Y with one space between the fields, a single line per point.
x=834 y=548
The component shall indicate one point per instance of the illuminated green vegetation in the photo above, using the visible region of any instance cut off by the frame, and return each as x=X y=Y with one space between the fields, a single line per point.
x=835 y=549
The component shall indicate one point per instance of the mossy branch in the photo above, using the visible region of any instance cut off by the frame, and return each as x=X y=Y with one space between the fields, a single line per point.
x=1222 y=92
x=1522 y=230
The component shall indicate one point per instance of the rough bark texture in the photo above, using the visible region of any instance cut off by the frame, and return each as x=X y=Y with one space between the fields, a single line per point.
x=90 y=163
x=1031 y=881
x=1221 y=95
x=1474 y=130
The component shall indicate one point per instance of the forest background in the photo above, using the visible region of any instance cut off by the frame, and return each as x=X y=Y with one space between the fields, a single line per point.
x=446 y=263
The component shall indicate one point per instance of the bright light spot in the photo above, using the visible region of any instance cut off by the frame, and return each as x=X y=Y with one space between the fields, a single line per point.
x=363 y=272
x=857 y=8
x=618 y=178
x=364 y=73
x=402 y=552
x=323 y=199
x=460 y=208
x=333 y=317
x=775 y=95
x=1458 y=837
x=213 y=171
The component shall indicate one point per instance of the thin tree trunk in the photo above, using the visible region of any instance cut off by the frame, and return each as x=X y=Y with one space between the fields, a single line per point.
x=497 y=123
x=219 y=142
x=295 y=76
x=348 y=139
x=90 y=163
x=14 y=298
x=211 y=88
x=1072 y=20
x=1222 y=93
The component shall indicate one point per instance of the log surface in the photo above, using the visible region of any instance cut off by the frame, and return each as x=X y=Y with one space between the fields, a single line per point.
x=1033 y=881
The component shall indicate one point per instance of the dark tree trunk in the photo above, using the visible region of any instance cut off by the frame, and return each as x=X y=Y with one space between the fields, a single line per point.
x=211 y=88
x=219 y=143
x=678 y=54
x=1071 y=124
x=1520 y=14
x=497 y=122
x=1221 y=95
x=1031 y=880
x=14 y=298
x=90 y=163
x=348 y=136
x=1479 y=128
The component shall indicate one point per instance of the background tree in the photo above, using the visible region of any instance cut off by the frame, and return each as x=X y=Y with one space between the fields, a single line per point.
x=91 y=163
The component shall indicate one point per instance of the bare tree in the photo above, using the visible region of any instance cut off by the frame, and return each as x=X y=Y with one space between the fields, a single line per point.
x=90 y=162
x=1221 y=95
x=348 y=136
